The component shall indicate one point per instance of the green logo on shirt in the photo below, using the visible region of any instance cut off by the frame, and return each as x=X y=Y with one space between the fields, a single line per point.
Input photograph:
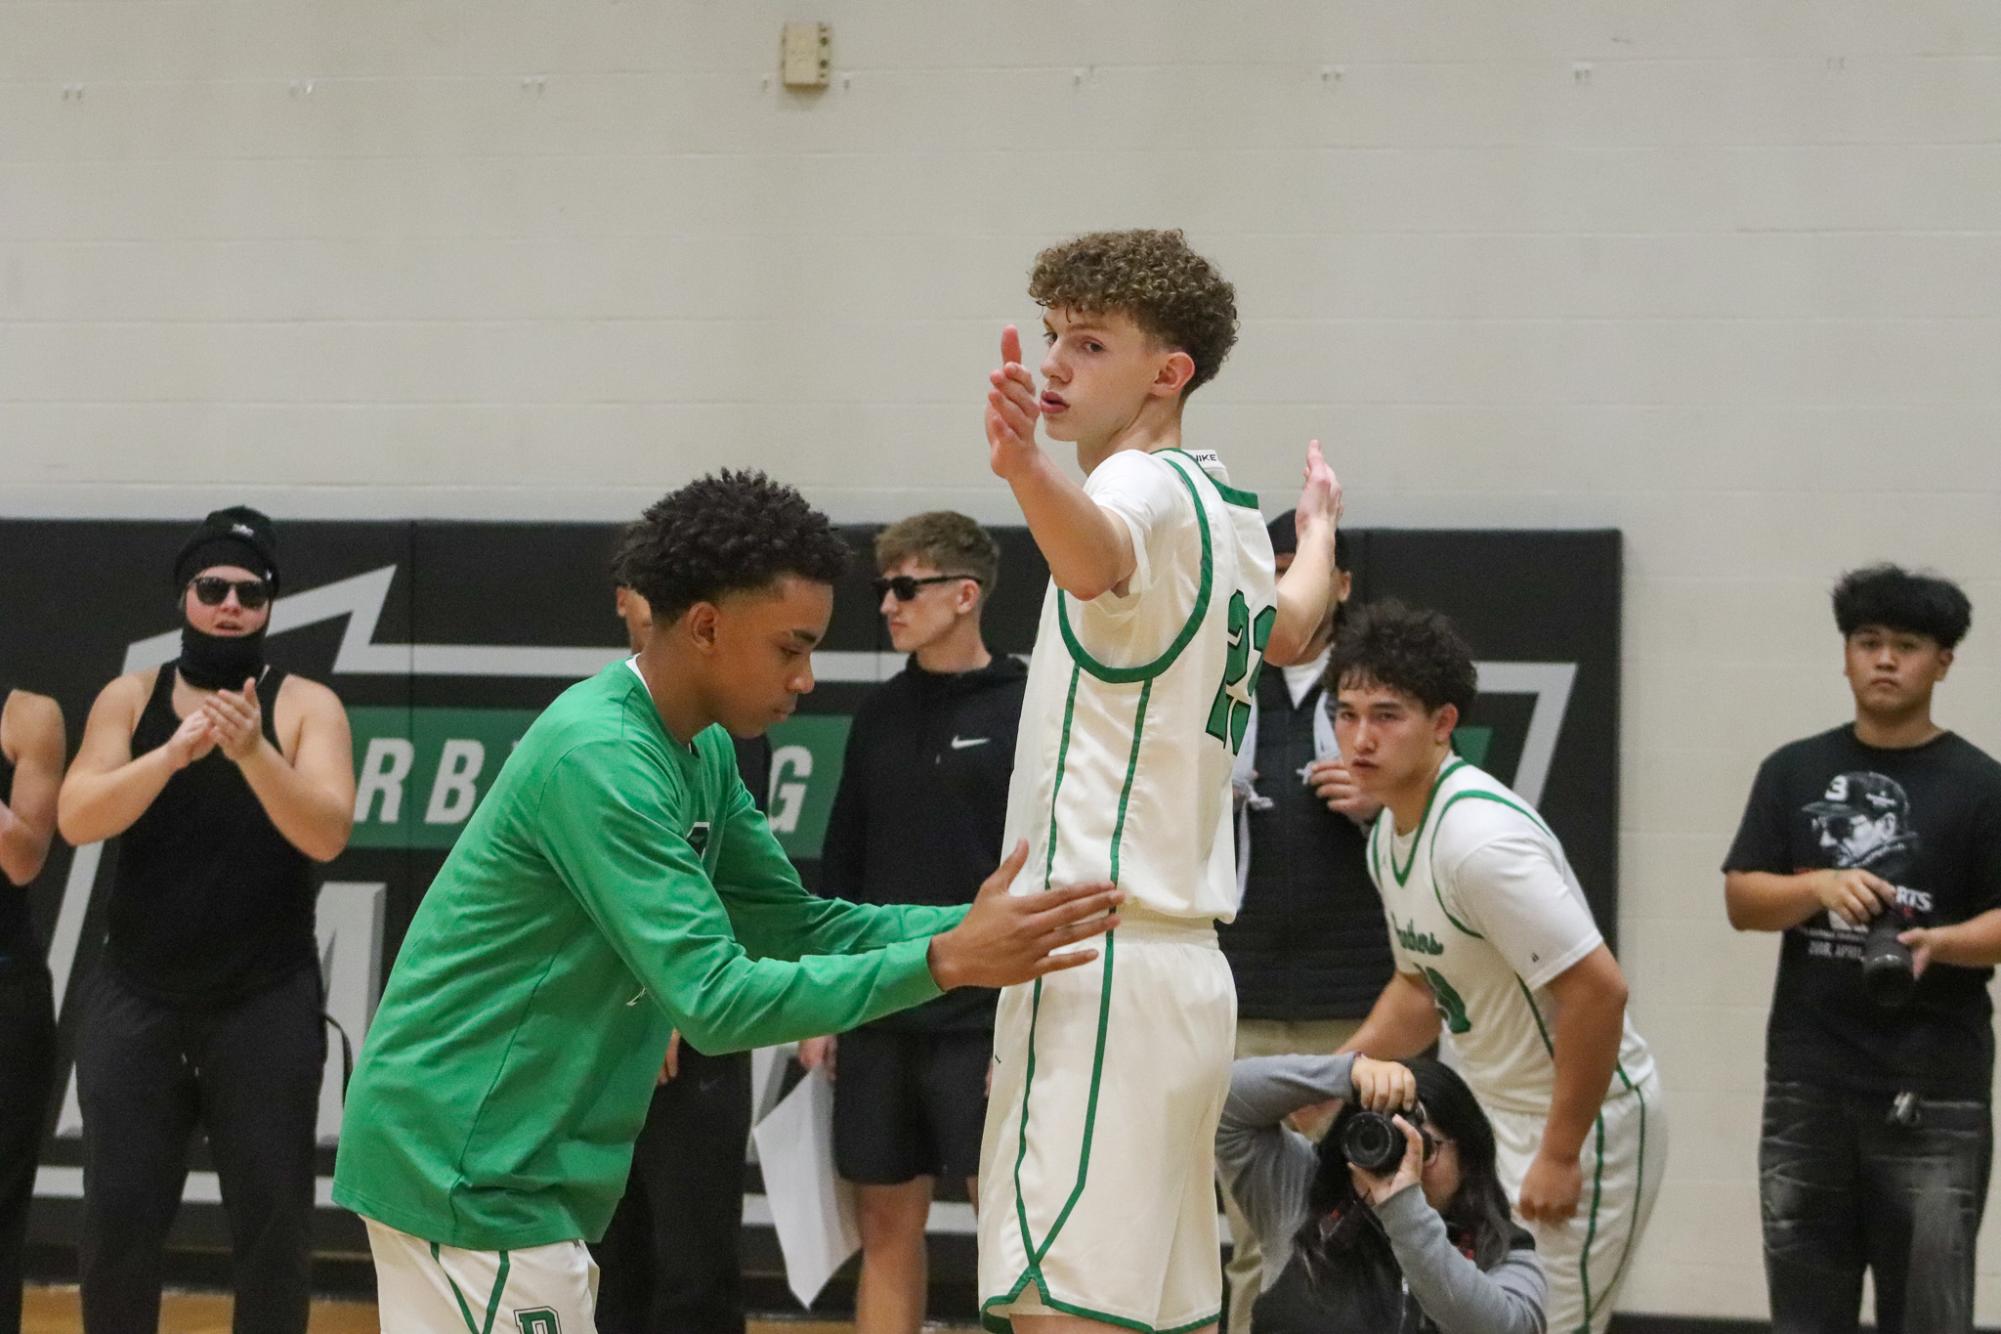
x=1417 y=942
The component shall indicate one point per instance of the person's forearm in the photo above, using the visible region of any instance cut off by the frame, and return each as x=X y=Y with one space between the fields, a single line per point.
x=1763 y=901
x=1305 y=594
x=1587 y=1039
x=1086 y=548
x=741 y=1003
x=1973 y=943
x=312 y=819
x=1402 y=1023
x=94 y=807
x=23 y=848
x=1450 y=1289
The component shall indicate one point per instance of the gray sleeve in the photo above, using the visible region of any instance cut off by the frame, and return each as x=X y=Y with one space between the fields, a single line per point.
x=1267 y=1167
x=1458 y=1296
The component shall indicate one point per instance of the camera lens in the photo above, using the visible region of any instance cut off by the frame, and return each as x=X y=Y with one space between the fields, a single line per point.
x=1372 y=1142
x=1887 y=971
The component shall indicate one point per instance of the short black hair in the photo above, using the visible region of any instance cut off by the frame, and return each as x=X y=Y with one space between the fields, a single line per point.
x=724 y=533
x=1896 y=599
x=1412 y=650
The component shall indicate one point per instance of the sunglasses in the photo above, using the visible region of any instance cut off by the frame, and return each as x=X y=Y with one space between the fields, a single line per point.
x=905 y=586
x=211 y=589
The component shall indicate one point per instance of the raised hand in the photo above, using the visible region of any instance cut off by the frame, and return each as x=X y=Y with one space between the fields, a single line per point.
x=1320 y=497
x=1012 y=410
x=237 y=720
x=1008 y=938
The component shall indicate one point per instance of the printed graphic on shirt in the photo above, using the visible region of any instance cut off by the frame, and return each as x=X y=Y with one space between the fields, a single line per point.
x=1863 y=821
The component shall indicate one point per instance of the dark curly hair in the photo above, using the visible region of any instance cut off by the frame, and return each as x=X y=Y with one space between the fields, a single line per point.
x=1896 y=599
x=1168 y=290
x=1412 y=650
x=722 y=533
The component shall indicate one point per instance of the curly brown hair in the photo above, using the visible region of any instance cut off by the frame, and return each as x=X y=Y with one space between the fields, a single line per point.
x=1152 y=277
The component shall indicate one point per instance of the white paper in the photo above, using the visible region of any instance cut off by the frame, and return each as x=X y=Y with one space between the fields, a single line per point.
x=812 y=1209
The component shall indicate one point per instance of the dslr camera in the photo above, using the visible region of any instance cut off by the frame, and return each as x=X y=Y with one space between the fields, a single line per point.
x=1374 y=1142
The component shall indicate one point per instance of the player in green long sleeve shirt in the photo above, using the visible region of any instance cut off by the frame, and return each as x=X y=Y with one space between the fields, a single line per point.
x=617 y=884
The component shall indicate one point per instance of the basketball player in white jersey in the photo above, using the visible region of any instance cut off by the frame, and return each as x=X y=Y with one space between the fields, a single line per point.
x=1496 y=951
x=1097 y=1200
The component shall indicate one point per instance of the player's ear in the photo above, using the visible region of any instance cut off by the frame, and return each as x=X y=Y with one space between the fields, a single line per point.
x=1174 y=374
x=1944 y=663
x=1444 y=721
x=702 y=621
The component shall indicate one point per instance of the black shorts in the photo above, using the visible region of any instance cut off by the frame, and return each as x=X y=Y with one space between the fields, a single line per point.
x=909 y=1104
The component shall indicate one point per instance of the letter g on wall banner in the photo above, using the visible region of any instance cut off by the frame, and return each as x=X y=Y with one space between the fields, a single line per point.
x=445 y=640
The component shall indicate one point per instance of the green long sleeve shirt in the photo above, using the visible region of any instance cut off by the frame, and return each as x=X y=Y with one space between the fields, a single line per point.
x=615 y=885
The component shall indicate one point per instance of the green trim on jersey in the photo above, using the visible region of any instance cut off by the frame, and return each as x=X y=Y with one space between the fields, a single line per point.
x=1232 y=495
x=1028 y=1245
x=1062 y=755
x=1132 y=768
x=1403 y=872
x=1591 y=1230
x=1128 y=675
x=1034 y=1252
x=1000 y=1324
x=1639 y=1183
x=492 y=1301
x=1090 y=1117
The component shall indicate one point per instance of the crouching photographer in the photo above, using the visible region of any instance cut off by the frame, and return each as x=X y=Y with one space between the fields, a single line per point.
x=1395 y=1221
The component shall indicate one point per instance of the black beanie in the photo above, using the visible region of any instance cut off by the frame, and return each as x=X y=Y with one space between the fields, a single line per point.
x=238 y=535
x=1284 y=532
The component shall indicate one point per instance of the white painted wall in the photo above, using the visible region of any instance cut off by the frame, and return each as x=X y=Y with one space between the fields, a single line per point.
x=1725 y=276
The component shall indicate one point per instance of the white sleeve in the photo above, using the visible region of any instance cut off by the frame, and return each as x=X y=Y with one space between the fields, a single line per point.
x=1153 y=503
x=1514 y=893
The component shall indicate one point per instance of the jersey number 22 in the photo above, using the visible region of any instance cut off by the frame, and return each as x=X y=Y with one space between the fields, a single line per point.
x=1231 y=713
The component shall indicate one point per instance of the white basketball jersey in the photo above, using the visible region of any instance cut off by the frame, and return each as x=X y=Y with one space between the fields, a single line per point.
x=1137 y=702
x=1483 y=905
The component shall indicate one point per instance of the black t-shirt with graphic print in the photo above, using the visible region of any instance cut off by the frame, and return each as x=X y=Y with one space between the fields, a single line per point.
x=1928 y=820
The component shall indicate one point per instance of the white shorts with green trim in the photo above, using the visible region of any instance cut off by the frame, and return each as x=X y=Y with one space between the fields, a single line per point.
x=1624 y=1157
x=1097 y=1170
x=425 y=1288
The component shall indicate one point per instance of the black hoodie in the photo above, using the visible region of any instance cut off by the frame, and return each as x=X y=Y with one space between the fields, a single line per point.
x=922 y=805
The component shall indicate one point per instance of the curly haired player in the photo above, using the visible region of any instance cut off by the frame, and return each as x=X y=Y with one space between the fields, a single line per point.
x=615 y=885
x=1097 y=1194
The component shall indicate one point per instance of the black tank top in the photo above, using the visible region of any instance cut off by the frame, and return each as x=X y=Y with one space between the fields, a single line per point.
x=18 y=946
x=209 y=903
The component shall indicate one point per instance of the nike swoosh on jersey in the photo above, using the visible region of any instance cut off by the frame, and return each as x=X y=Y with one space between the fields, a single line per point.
x=968 y=742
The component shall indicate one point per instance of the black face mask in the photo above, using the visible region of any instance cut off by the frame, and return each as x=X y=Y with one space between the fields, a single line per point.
x=220 y=662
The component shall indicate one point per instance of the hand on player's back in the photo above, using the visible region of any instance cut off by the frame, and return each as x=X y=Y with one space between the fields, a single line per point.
x=1007 y=938
x=1012 y=409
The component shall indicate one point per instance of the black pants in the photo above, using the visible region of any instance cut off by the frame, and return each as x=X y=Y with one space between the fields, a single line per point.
x=249 y=1075
x=27 y=1077
x=671 y=1261
x=1842 y=1190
